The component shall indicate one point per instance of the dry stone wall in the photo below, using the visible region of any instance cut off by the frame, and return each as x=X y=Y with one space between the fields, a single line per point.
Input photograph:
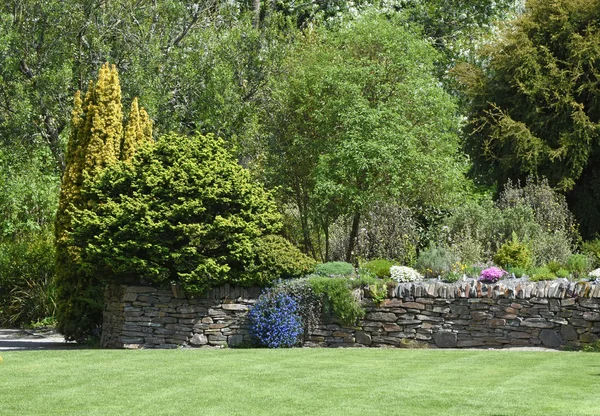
x=556 y=314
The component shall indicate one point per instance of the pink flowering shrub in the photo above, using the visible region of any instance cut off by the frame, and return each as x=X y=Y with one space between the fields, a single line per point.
x=492 y=274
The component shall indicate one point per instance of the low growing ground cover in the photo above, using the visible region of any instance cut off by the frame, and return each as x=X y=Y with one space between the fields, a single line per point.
x=299 y=382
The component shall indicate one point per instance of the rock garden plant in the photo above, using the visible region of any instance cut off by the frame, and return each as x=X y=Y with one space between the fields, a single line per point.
x=275 y=321
x=404 y=274
x=492 y=275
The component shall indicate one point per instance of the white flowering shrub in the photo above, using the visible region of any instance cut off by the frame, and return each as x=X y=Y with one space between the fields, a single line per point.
x=404 y=274
x=595 y=273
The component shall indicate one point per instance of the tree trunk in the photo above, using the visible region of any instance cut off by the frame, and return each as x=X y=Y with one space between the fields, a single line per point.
x=301 y=200
x=256 y=8
x=50 y=131
x=326 y=230
x=353 y=236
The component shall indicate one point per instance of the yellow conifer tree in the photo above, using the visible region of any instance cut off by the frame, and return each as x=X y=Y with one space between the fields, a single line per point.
x=137 y=131
x=96 y=141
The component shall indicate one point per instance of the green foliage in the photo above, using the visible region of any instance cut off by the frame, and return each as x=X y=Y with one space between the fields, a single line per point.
x=540 y=274
x=562 y=273
x=592 y=347
x=181 y=211
x=378 y=267
x=335 y=268
x=378 y=291
x=551 y=247
x=380 y=237
x=339 y=299
x=27 y=280
x=277 y=258
x=363 y=279
x=474 y=228
x=96 y=137
x=517 y=271
x=578 y=265
x=550 y=208
x=591 y=248
x=554 y=266
x=436 y=261
x=452 y=277
x=534 y=107
x=196 y=67
x=513 y=253
x=355 y=120
x=534 y=212
x=29 y=187
x=555 y=234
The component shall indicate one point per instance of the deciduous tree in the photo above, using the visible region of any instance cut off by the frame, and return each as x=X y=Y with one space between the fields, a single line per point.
x=358 y=118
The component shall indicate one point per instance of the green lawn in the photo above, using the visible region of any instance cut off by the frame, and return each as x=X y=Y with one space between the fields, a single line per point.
x=299 y=382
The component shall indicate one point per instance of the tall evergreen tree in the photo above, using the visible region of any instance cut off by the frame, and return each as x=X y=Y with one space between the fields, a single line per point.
x=535 y=103
x=95 y=142
x=137 y=131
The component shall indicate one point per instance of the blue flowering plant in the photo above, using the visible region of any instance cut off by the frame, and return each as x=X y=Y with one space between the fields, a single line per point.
x=492 y=274
x=275 y=320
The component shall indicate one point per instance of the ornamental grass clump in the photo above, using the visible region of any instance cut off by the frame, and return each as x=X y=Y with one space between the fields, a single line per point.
x=275 y=320
x=404 y=274
x=335 y=268
x=379 y=267
x=491 y=275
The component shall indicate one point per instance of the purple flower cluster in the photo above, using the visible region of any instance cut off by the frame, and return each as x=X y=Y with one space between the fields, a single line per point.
x=491 y=274
x=275 y=321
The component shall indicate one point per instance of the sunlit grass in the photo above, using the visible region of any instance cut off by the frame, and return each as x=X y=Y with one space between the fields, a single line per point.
x=299 y=382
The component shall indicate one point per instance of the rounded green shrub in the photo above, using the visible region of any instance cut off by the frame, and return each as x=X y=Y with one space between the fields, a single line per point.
x=436 y=261
x=513 y=254
x=554 y=266
x=562 y=273
x=578 y=265
x=277 y=258
x=183 y=210
x=335 y=268
x=541 y=273
x=592 y=250
x=338 y=298
x=378 y=267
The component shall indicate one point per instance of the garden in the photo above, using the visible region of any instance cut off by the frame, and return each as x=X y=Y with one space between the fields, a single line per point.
x=254 y=178
x=290 y=149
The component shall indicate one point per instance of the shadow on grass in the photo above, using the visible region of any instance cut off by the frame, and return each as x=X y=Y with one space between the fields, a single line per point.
x=34 y=340
x=34 y=345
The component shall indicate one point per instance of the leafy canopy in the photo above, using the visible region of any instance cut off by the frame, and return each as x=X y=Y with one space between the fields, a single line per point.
x=535 y=107
x=358 y=118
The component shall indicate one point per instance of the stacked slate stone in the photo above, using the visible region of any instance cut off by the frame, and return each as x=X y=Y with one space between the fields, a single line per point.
x=555 y=314
x=148 y=317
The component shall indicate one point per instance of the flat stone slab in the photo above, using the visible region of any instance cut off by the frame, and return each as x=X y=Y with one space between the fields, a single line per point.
x=445 y=339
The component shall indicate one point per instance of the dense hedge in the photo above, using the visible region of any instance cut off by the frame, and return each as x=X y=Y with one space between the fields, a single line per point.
x=27 y=280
